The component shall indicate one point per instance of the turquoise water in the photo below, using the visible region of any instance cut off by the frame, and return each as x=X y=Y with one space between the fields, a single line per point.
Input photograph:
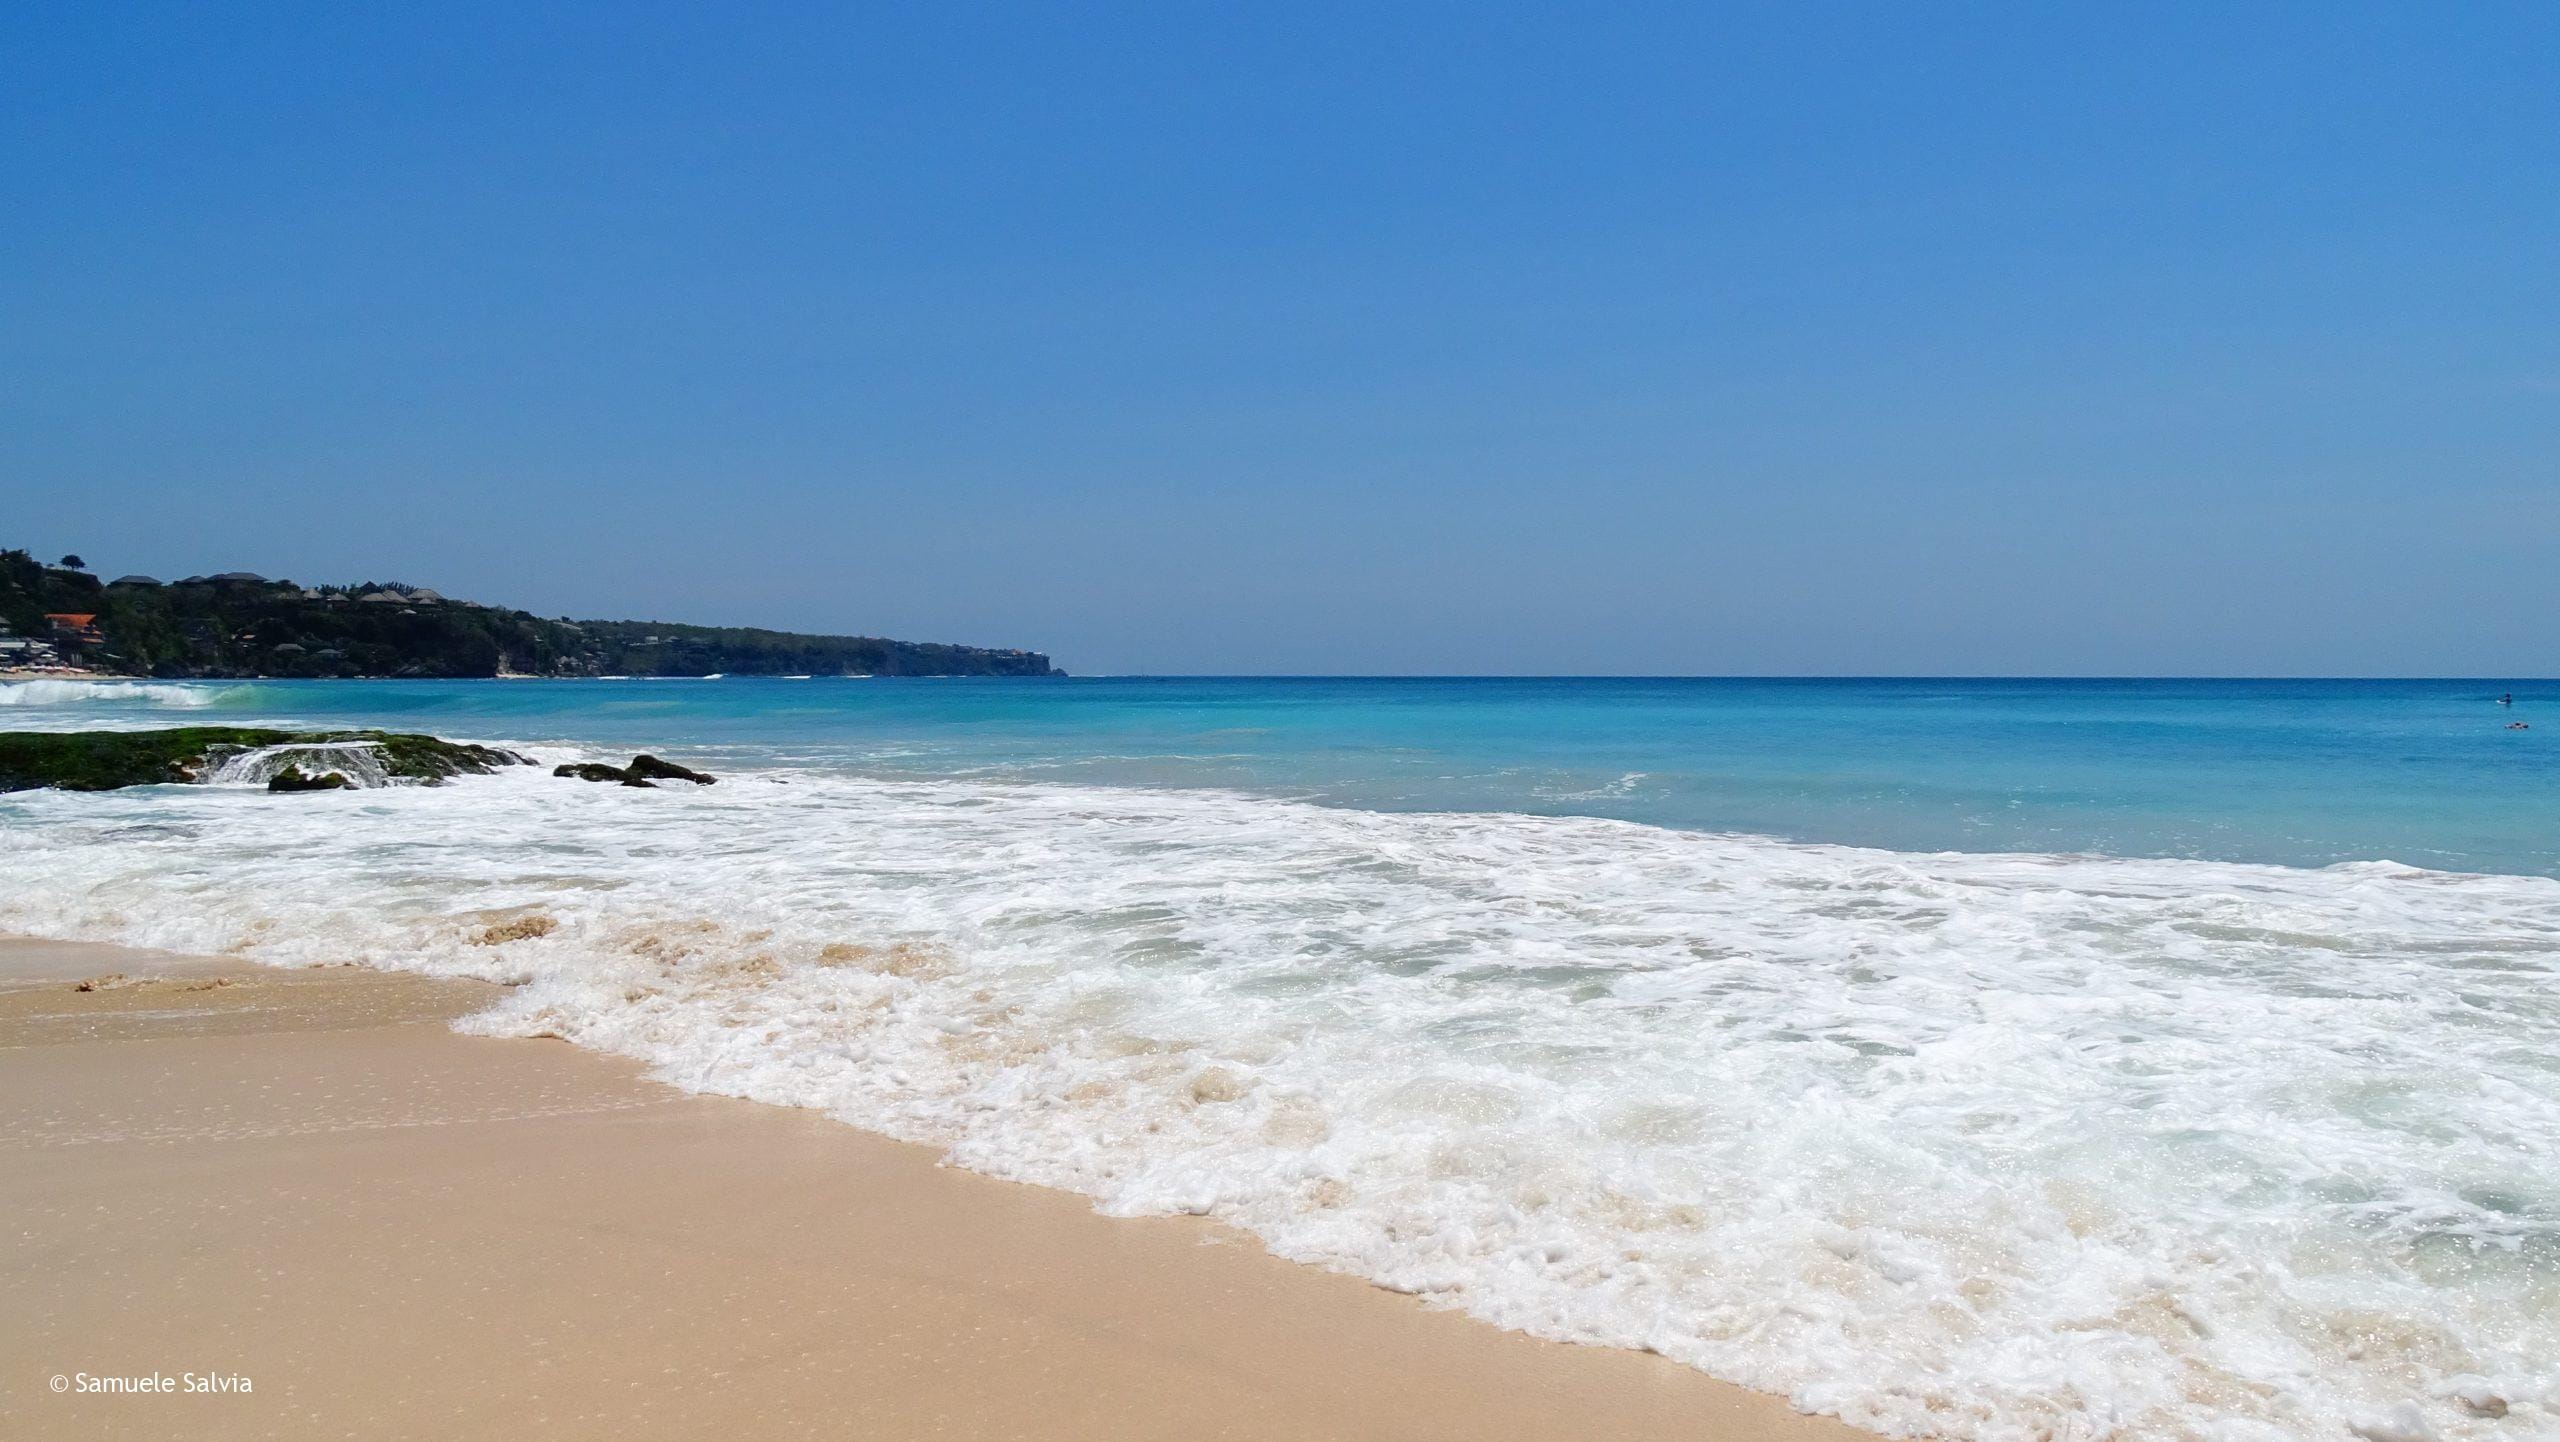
x=2294 y=772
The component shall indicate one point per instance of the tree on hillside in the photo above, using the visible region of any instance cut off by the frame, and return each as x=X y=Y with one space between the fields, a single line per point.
x=74 y=563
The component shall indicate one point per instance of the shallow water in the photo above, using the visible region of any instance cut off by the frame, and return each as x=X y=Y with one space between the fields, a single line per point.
x=1518 y=996
x=2304 y=773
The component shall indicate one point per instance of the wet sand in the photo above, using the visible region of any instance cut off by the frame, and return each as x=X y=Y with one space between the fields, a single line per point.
x=305 y=1179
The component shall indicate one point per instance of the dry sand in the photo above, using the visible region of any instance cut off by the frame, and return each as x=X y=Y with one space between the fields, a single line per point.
x=392 y=1231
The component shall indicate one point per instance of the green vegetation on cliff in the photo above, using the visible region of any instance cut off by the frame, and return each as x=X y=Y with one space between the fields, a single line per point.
x=106 y=760
x=238 y=624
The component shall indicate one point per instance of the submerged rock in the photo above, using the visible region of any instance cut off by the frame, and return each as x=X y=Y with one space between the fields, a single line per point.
x=294 y=778
x=644 y=770
x=650 y=768
x=522 y=928
x=598 y=771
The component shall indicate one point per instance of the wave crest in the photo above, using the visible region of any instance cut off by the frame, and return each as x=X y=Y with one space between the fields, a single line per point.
x=155 y=694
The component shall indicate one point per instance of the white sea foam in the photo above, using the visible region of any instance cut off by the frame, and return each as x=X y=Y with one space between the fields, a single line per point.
x=360 y=762
x=1981 y=1146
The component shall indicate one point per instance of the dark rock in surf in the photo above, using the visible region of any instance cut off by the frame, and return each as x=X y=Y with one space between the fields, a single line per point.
x=294 y=778
x=597 y=771
x=650 y=768
x=644 y=770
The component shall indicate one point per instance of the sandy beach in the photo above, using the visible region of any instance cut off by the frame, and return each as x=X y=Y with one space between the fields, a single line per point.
x=216 y=1171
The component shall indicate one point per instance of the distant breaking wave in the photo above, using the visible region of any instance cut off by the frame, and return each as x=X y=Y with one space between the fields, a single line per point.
x=155 y=694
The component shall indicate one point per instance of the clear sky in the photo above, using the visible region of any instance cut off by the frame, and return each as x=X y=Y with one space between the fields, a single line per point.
x=1315 y=337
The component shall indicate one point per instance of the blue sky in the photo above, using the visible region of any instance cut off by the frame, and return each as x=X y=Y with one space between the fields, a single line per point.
x=1333 y=338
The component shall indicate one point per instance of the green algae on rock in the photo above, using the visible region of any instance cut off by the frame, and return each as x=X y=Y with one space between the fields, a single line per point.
x=107 y=760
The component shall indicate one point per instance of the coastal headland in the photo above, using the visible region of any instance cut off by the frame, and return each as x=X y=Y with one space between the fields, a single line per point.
x=238 y=623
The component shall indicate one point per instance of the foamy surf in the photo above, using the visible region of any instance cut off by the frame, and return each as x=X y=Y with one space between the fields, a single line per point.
x=1978 y=1146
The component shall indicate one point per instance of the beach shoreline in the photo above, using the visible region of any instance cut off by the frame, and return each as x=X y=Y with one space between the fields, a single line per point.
x=306 y=1179
x=1973 y=1141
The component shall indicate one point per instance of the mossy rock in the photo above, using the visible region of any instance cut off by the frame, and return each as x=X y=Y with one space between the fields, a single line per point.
x=107 y=760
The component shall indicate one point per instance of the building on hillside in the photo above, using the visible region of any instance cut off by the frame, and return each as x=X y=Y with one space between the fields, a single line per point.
x=27 y=651
x=80 y=628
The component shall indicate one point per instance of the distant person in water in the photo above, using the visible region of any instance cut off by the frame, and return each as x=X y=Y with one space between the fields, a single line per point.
x=2508 y=699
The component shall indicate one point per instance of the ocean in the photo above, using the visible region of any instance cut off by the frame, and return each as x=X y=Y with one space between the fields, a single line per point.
x=1979 y=1059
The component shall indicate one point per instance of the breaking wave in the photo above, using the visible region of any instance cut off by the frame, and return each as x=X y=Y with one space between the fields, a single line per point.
x=143 y=694
x=1980 y=1146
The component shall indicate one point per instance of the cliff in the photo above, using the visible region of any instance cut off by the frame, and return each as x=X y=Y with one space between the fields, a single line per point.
x=238 y=624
